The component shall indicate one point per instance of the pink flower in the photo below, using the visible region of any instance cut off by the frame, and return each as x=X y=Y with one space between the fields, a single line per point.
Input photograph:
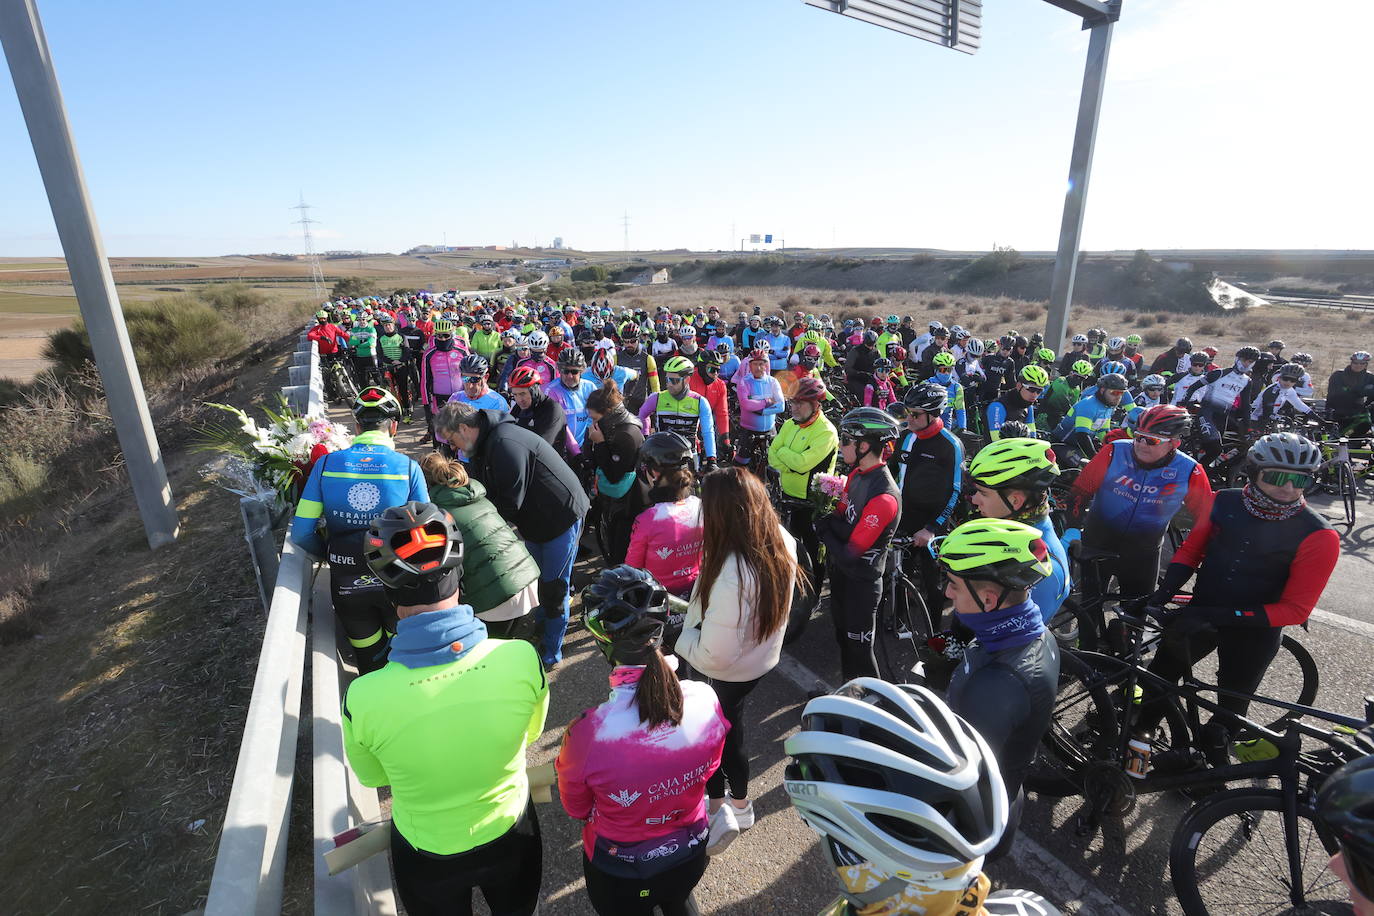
x=830 y=484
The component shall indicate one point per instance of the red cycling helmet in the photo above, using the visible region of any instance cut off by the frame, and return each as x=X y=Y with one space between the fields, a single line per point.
x=524 y=377
x=1165 y=421
x=810 y=389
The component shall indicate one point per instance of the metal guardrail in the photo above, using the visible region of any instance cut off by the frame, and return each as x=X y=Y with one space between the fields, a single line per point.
x=250 y=865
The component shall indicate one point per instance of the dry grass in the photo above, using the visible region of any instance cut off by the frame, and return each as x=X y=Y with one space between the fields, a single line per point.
x=1329 y=335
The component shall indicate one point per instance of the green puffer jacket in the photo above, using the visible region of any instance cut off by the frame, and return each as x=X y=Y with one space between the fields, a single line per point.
x=496 y=564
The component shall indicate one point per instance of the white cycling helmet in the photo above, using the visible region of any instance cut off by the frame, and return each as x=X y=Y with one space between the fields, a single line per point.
x=891 y=774
x=537 y=340
x=1152 y=381
x=974 y=347
x=1080 y=338
x=1116 y=343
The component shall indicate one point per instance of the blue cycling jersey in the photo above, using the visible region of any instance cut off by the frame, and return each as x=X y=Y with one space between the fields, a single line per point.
x=574 y=404
x=782 y=350
x=351 y=487
x=491 y=400
x=1050 y=592
x=1135 y=503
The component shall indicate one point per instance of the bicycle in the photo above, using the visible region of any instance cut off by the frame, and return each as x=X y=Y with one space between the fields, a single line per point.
x=1085 y=747
x=906 y=625
x=805 y=599
x=1224 y=842
x=339 y=381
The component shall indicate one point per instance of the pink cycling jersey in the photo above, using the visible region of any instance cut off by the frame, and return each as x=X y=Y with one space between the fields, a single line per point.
x=439 y=373
x=666 y=541
x=641 y=791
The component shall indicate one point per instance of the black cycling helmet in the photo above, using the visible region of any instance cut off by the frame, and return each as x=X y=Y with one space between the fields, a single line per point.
x=870 y=338
x=626 y=611
x=665 y=450
x=474 y=364
x=1285 y=452
x=414 y=543
x=872 y=424
x=1199 y=359
x=1183 y=345
x=1276 y=344
x=1292 y=372
x=1345 y=805
x=882 y=364
x=571 y=358
x=376 y=405
x=1113 y=382
x=708 y=359
x=928 y=396
x=1247 y=352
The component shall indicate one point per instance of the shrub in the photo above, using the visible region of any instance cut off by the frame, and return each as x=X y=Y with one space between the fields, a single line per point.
x=790 y=302
x=169 y=335
x=938 y=303
x=1129 y=318
x=1255 y=327
x=817 y=300
x=592 y=273
x=850 y=302
x=1032 y=312
x=922 y=257
x=1005 y=316
x=1353 y=316
x=872 y=300
x=748 y=300
x=1157 y=338
x=1209 y=327
x=973 y=308
x=995 y=263
x=351 y=286
x=20 y=580
x=234 y=299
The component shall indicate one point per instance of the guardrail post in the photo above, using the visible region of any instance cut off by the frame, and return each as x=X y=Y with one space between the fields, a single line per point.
x=297 y=397
x=262 y=545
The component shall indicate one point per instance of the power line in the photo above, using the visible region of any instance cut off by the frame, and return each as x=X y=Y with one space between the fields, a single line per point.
x=316 y=275
x=625 y=221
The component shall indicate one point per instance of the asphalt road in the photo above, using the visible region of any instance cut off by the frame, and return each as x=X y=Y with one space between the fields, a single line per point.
x=776 y=868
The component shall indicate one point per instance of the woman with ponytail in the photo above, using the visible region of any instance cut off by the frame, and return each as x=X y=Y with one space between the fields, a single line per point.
x=614 y=438
x=733 y=631
x=635 y=768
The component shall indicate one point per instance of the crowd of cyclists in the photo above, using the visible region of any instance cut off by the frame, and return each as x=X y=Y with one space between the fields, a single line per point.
x=692 y=450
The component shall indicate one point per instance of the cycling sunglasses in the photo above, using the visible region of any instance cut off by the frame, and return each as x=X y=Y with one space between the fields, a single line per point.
x=709 y=370
x=1150 y=440
x=1278 y=478
x=570 y=372
x=672 y=379
x=474 y=379
x=443 y=336
x=1036 y=388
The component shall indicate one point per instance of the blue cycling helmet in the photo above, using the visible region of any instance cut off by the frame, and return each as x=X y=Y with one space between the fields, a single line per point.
x=1112 y=367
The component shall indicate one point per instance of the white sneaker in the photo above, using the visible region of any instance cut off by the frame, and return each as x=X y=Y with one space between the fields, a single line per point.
x=743 y=816
x=724 y=829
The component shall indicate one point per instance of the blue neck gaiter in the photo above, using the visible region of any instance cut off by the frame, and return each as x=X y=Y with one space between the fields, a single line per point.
x=1008 y=628
x=429 y=638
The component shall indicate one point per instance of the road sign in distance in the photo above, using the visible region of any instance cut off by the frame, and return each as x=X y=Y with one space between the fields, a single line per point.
x=956 y=24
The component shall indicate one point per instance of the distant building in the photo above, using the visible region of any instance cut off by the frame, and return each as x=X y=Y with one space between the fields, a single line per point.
x=558 y=243
x=546 y=262
x=651 y=277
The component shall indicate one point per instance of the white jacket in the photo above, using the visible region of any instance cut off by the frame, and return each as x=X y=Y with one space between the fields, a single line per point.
x=721 y=646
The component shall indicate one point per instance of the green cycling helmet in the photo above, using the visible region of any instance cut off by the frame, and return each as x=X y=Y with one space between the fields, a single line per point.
x=1134 y=340
x=997 y=550
x=1035 y=376
x=943 y=361
x=1082 y=367
x=678 y=365
x=1023 y=464
x=1045 y=354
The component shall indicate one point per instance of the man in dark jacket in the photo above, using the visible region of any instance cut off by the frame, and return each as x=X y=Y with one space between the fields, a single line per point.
x=1173 y=361
x=533 y=489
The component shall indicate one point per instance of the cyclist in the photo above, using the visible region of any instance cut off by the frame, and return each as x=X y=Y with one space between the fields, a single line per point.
x=873 y=748
x=448 y=693
x=571 y=390
x=635 y=768
x=954 y=415
x=760 y=401
x=441 y=372
x=857 y=534
x=1018 y=403
x=1131 y=490
x=680 y=410
x=614 y=437
x=1348 y=395
x=636 y=359
x=1197 y=368
x=1089 y=420
x=601 y=366
x=474 y=369
x=362 y=341
x=1012 y=479
x=1305 y=385
x=858 y=364
x=879 y=392
x=1116 y=353
x=804 y=447
x=1220 y=390
x=1078 y=349
x=707 y=383
x=539 y=413
x=665 y=538
x=929 y=467
x=1282 y=393
x=1262 y=557
x=919 y=343
x=1268 y=363
x=332 y=341
x=779 y=344
x=1175 y=360
x=538 y=359
x=1132 y=353
x=486 y=340
x=1006 y=685
x=346 y=490
x=1064 y=392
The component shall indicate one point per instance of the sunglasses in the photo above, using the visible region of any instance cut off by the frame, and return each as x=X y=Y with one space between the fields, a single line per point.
x=1036 y=388
x=1153 y=390
x=1278 y=478
x=709 y=370
x=1150 y=440
x=674 y=379
x=572 y=372
x=443 y=336
x=473 y=379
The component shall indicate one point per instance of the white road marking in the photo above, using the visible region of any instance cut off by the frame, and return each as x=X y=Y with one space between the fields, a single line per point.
x=1349 y=624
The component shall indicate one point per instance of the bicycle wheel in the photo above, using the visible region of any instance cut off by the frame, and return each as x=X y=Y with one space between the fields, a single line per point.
x=1346 y=482
x=1085 y=726
x=904 y=628
x=1229 y=855
x=1292 y=673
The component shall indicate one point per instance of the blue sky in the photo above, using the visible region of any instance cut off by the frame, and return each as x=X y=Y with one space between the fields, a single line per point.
x=1226 y=123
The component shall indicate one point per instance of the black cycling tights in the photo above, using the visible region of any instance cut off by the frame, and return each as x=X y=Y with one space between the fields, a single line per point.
x=854 y=609
x=670 y=892
x=508 y=871
x=1243 y=656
